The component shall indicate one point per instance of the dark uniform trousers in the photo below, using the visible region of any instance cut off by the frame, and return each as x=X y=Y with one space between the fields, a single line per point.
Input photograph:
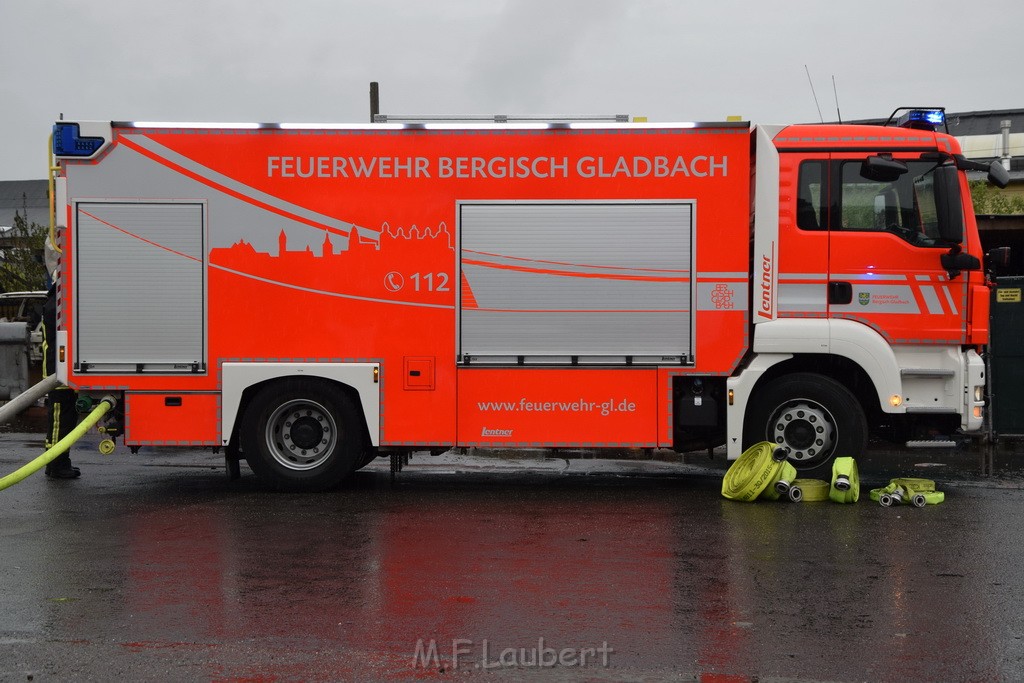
x=61 y=401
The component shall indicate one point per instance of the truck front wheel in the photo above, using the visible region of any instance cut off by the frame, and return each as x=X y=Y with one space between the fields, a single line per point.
x=301 y=435
x=813 y=416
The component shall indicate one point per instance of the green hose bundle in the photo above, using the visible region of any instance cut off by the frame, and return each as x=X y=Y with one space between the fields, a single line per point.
x=755 y=470
x=908 y=491
x=782 y=480
x=762 y=471
x=845 y=486
x=808 y=491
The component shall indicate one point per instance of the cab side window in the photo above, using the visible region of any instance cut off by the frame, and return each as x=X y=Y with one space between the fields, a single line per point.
x=904 y=207
x=812 y=196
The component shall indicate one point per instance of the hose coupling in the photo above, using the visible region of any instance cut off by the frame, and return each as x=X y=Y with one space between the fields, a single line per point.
x=893 y=498
x=83 y=404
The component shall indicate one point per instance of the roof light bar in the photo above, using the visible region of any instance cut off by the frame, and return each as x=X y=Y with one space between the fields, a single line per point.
x=920 y=118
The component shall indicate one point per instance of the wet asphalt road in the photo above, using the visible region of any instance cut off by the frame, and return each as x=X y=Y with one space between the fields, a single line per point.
x=155 y=567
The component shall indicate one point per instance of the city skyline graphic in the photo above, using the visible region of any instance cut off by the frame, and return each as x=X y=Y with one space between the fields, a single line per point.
x=354 y=264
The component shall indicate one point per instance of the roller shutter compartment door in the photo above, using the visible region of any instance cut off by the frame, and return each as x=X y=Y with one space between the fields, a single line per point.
x=581 y=282
x=140 y=287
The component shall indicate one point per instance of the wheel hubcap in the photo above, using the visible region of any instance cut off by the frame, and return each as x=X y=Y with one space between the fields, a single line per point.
x=806 y=428
x=301 y=434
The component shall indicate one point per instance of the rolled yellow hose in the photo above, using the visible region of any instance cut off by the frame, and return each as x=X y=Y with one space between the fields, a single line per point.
x=780 y=486
x=752 y=472
x=929 y=497
x=919 y=485
x=908 y=491
x=808 y=490
x=845 y=487
x=786 y=478
x=60 y=447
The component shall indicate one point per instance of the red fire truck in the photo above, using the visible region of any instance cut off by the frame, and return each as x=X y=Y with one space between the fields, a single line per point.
x=311 y=296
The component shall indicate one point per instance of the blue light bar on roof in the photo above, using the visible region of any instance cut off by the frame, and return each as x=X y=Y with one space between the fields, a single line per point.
x=68 y=142
x=929 y=119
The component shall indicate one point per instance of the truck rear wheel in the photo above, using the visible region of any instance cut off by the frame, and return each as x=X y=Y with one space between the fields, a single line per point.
x=302 y=435
x=814 y=416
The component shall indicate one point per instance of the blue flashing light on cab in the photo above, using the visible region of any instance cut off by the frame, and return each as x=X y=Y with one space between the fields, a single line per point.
x=68 y=141
x=929 y=119
x=920 y=118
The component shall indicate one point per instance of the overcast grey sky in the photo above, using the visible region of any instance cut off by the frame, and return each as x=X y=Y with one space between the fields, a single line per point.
x=312 y=60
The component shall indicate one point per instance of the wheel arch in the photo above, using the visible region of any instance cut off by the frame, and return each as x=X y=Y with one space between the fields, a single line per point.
x=840 y=368
x=848 y=352
x=240 y=382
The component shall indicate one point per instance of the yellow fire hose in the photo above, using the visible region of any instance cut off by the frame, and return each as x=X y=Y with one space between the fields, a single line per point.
x=808 y=491
x=786 y=478
x=762 y=471
x=908 y=491
x=780 y=487
x=61 y=446
x=845 y=486
x=753 y=471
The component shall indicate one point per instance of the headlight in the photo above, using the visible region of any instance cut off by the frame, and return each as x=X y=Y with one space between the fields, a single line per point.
x=979 y=394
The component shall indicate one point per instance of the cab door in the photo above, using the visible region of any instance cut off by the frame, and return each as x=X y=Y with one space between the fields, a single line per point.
x=884 y=255
x=803 y=250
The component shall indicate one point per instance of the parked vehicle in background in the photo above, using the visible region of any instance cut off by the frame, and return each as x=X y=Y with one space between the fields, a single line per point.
x=26 y=307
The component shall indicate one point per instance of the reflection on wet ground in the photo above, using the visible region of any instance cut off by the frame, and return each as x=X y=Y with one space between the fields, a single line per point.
x=157 y=567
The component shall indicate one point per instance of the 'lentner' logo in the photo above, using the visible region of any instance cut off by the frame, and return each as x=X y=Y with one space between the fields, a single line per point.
x=767 y=281
x=864 y=298
x=496 y=432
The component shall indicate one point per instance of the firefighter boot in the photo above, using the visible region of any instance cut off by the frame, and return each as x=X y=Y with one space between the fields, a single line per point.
x=61 y=468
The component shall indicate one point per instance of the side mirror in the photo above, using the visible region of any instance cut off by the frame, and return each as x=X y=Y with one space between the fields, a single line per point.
x=882 y=169
x=948 y=205
x=954 y=263
x=997 y=175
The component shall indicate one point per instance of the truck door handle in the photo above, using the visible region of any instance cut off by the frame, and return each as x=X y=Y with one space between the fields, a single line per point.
x=840 y=293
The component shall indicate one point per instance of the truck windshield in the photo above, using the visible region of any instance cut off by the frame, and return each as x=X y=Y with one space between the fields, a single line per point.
x=904 y=207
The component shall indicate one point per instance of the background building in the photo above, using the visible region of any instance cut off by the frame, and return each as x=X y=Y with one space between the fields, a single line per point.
x=29 y=198
x=989 y=136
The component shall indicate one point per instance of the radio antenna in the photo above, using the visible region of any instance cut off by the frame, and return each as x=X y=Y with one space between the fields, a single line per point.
x=814 y=94
x=835 y=94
